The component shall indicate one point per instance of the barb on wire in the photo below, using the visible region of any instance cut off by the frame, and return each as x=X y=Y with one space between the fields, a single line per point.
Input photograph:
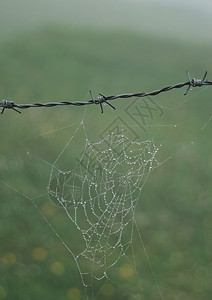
x=8 y=104
x=101 y=99
x=195 y=82
x=5 y=104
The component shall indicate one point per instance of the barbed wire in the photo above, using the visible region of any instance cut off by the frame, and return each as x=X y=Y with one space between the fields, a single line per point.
x=5 y=104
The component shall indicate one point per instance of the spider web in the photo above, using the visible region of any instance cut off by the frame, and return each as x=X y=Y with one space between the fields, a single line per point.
x=100 y=195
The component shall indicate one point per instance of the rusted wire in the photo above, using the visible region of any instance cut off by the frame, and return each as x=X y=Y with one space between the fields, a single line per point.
x=5 y=104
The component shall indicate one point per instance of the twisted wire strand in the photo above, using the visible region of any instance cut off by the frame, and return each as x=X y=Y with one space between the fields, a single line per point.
x=5 y=104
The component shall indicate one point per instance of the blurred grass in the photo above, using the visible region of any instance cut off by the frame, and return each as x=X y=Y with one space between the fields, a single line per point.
x=174 y=213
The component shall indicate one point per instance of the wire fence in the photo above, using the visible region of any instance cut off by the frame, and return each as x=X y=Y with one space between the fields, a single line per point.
x=5 y=104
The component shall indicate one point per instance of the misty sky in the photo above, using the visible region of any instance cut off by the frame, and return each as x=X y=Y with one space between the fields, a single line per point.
x=203 y=4
x=186 y=19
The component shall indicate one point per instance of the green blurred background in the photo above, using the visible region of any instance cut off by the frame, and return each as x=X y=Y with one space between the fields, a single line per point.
x=59 y=50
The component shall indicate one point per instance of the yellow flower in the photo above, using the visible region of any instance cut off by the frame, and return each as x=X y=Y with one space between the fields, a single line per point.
x=73 y=294
x=57 y=268
x=126 y=271
x=9 y=258
x=39 y=253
